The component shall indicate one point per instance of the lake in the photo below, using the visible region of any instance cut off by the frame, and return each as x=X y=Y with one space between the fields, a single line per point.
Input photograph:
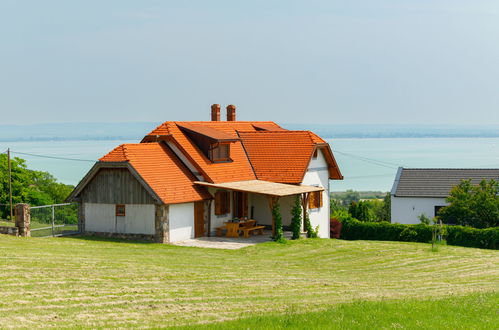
x=366 y=163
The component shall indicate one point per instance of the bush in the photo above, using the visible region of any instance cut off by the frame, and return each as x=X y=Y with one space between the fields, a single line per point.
x=466 y=236
x=354 y=229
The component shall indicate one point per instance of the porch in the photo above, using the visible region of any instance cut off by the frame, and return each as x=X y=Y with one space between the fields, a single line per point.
x=229 y=243
x=254 y=200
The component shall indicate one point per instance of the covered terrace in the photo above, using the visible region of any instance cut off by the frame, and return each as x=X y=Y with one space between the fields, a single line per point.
x=271 y=191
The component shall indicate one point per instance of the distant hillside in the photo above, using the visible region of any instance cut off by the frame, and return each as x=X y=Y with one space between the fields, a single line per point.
x=136 y=130
x=400 y=131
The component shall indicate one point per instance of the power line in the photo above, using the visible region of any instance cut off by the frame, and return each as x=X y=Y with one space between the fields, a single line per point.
x=370 y=160
x=53 y=157
x=368 y=176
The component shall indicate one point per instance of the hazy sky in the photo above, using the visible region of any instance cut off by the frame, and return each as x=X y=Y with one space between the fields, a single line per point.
x=330 y=62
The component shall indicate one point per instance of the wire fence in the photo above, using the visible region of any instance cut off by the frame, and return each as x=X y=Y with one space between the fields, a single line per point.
x=54 y=220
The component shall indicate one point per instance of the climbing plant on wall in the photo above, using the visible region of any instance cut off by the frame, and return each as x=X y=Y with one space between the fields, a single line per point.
x=276 y=213
x=296 y=212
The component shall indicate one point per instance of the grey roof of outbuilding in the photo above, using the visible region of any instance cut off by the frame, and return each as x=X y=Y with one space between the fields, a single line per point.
x=437 y=182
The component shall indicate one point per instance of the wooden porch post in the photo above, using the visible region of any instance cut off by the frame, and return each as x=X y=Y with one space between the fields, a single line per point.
x=272 y=201
x=304 y=203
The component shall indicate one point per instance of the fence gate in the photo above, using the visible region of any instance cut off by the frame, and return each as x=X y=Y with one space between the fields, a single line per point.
x=54 y=220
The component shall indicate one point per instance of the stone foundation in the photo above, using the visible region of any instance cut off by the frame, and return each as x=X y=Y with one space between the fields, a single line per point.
x=9 y=230
x=134 y=237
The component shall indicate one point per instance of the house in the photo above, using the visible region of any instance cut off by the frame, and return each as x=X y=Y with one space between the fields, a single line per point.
x=185 y=179
x=419 y=191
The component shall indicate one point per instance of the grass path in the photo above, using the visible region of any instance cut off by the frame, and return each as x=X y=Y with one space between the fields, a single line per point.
x=68 y=282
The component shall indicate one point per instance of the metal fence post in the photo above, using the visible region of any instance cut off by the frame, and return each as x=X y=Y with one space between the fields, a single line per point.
x=53 y=220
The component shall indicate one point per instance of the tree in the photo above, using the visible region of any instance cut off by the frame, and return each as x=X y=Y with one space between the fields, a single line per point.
x=360 y=211
x=296 y=212
x=28 y=186
x=473 y=205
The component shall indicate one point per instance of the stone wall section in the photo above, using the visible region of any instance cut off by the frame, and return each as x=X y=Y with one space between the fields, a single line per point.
x=23 y=220
x=9 y=230
x=162 y=224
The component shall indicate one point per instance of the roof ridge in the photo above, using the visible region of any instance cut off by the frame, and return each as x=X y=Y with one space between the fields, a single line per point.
x=286 y=131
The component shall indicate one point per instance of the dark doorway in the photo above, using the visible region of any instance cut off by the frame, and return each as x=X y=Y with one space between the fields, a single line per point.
x=240 y=204
x=199 y=219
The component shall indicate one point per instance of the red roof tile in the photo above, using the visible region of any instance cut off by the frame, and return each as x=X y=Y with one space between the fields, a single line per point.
x=239 y=169
x=161 y=169
x=279 y=156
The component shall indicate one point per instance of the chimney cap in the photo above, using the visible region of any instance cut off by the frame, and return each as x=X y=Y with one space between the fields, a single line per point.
x=231 y=112
x=215 y=112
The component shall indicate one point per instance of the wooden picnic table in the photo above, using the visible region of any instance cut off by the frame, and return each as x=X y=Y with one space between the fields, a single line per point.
x=246 y=226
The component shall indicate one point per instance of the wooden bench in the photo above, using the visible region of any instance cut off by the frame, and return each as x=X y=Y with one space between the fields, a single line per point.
x=220 y=230
x=246 y=231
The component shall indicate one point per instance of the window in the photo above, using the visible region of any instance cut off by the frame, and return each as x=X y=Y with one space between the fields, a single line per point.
x=120 y=210
x=220 y=152
x=315 y=200
x=437 y=208
x=222 y=202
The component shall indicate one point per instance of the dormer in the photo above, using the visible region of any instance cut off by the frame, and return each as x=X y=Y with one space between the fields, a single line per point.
x=214 y=144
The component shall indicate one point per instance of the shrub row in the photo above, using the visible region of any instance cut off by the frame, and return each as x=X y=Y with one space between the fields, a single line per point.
x=466 y=236
x=353 y=229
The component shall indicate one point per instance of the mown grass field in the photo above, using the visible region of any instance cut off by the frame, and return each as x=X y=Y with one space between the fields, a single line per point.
x=78 y=282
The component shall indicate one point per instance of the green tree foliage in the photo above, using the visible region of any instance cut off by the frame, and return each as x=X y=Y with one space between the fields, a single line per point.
x=296 y=212
x=386 y=209
x=360 y=211
x=28 y=186
x=473 y=205
x=424 y=219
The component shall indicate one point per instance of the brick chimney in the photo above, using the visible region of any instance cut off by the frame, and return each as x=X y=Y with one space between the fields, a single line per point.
x=231 y=112
x=215 y=112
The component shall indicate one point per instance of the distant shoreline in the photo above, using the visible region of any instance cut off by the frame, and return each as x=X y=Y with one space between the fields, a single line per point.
x=138 y=139
x=137 y=130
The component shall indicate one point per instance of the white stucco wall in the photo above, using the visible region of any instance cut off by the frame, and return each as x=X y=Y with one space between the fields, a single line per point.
x=318 y=175
x=407 y=209
x=139 y=219
x=181 y=218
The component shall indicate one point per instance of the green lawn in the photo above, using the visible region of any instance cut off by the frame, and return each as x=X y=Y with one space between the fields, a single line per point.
x=76 y=282
x=474 y=311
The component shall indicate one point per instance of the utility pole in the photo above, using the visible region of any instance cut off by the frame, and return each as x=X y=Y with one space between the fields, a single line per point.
x=10 y=184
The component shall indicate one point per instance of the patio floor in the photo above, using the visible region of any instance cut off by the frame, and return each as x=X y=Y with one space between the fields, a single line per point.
x=229 y=243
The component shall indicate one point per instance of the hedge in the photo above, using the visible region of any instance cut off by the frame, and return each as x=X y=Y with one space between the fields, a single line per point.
x=353 y=229
x=466 y=236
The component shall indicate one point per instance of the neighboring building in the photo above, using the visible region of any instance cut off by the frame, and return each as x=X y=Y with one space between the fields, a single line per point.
x=419 y=191
x=186 y=178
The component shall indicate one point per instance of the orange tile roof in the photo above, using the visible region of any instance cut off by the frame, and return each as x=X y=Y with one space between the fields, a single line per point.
x=280 y=156
x=211 y=133
x=161 y=169
x=238 y=170
x=224 y=126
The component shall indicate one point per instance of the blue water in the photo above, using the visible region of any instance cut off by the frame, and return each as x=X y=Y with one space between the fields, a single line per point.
x=367 y=164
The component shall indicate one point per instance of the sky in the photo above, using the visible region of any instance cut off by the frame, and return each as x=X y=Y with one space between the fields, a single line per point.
x=314 y=61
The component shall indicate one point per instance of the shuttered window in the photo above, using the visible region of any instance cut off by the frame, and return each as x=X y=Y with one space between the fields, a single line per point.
x=315 y=200
x=120 y=210
x=222 y=202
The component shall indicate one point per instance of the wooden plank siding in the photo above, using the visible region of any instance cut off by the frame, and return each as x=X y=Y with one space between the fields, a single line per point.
x=115 y=186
